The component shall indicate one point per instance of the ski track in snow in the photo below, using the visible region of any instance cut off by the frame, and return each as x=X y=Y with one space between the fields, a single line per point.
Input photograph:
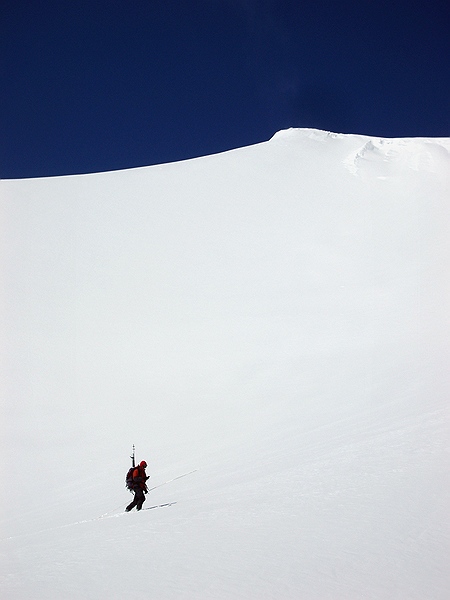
x=92 y=520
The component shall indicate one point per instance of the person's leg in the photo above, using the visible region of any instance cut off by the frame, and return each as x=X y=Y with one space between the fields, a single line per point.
x=134 y=503
x=140 y=498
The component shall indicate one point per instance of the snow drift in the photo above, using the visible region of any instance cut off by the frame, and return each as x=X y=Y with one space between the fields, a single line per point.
x=271 y=323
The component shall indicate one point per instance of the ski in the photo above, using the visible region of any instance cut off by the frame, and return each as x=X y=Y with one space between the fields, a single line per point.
x=159 y=505
x=119 y=514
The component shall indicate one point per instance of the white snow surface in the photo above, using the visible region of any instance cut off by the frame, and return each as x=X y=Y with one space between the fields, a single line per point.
x=271 y=324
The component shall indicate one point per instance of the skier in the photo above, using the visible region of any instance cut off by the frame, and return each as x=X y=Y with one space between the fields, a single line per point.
x=139 y=486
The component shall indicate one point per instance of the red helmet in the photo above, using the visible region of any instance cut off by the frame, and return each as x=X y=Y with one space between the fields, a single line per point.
x=143 y=464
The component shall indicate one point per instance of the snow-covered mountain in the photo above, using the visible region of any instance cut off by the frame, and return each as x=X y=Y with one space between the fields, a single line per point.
x=270 y=327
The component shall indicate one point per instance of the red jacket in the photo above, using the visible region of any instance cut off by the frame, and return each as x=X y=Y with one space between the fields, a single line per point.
x=140 y=477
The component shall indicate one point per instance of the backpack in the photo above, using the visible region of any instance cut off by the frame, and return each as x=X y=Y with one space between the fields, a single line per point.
x=129 y=479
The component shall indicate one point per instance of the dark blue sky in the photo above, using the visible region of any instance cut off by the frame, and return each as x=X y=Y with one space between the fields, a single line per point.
x=101 y=85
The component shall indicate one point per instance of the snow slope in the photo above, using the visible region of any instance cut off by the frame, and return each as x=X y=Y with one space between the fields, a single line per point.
x=269 y=323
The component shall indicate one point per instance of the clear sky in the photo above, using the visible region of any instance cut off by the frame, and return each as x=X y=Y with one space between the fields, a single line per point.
x=101 y=85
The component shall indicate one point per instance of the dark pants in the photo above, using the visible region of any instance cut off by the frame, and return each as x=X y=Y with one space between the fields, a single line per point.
x=139 y=499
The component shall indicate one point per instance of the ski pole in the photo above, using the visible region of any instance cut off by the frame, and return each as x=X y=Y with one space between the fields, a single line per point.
x=170 y=480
